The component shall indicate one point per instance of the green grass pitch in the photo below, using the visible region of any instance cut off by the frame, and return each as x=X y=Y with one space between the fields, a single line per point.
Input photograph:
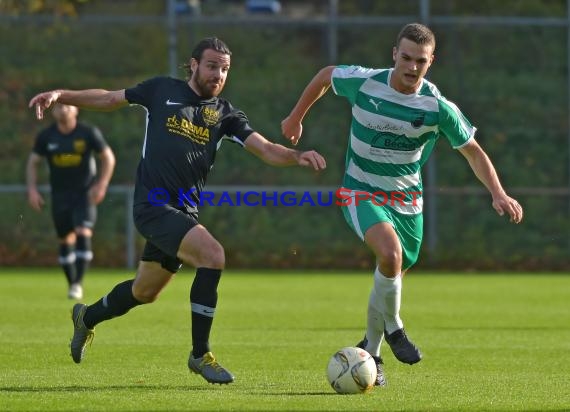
x=490 y=342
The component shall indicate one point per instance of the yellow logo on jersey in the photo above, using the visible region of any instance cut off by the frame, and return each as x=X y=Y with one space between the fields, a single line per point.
x=79 y=146
x=186 y=128
x=66 y=160
x=210 y=116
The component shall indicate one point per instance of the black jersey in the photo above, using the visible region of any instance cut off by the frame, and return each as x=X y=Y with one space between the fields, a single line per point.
x=183 y=133
x=70 y=156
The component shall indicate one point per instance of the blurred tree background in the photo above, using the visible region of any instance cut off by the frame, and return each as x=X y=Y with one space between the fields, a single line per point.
x=511 y=80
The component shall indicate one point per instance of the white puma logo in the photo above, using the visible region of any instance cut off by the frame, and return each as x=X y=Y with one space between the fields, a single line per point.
x=375 y=104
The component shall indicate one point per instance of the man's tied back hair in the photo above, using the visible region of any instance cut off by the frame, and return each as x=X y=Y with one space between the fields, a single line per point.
x=418 y=33
x=209 y=43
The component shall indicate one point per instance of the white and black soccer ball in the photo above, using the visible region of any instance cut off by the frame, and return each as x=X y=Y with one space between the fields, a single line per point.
x=351 y=370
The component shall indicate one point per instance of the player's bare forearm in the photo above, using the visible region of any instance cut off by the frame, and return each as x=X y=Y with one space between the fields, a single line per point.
x=107 y=166
x=316 y=88
x=91 y=99
x=275 y=154
x=94 y=99
x=502 y=202
x=291 y=126
x=278 y=155
x=99 y=189
x=483 y=168
x=486 y=173
x=31 y=171
x=281 y=156
x=35 y=199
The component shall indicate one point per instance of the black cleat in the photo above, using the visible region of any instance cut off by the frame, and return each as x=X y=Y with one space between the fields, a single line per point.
x=404 y=350
x=380 y=378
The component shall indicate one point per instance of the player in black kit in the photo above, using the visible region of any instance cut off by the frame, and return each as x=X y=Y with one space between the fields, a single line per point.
x=186 y=123
x=68 y=146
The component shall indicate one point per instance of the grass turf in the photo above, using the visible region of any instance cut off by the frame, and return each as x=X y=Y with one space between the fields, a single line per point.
x=498 y=342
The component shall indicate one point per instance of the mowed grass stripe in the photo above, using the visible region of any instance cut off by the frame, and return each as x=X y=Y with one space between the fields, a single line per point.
x=490 y=342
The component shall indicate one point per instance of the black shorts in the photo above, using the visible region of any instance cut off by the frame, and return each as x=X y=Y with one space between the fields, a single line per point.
x=70 y=210
x=163 y=227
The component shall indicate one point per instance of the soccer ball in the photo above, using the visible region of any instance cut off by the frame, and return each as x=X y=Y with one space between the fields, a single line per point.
x=351 y=370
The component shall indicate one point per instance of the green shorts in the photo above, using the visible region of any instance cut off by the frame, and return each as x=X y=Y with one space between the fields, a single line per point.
x=409 y=228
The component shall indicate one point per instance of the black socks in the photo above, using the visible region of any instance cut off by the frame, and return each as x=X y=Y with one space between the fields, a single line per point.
x=83 y=255
x=203 y=300
x=118 y=302
x=67 y=262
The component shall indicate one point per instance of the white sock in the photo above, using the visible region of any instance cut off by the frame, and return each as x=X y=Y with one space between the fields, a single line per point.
x=389 y=292
x=374 y=326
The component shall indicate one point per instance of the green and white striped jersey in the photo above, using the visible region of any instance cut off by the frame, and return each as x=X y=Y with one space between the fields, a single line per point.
x=392 y=134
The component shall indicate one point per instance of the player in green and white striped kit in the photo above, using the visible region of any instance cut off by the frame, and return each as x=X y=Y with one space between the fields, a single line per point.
x=397 y=116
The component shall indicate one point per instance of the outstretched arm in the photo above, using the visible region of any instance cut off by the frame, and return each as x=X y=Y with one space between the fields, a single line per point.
x=278 y=155
x=291 y=126
x=91 y=99
x=99 y=189
x=486 y=173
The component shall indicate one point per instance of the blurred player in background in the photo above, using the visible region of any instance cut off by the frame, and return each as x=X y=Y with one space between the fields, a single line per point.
x=186 y=124
x=397 y=116
x=68 y=146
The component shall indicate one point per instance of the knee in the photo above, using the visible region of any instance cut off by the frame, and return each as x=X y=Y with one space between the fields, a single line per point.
x=208 y=256
x=214 y=257
x=200 y=249
x=144 y=295
x=390 y=262
x=83 y=231
x=68 y=239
